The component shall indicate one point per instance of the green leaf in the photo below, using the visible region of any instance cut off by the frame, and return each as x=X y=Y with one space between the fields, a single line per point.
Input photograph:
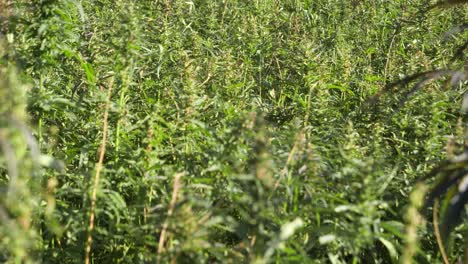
x=390 y=247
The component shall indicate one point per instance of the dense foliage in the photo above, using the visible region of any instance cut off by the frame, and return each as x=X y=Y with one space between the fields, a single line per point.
x=234 y=131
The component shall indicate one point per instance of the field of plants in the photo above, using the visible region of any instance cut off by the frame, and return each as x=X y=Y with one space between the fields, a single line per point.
x=232 y=131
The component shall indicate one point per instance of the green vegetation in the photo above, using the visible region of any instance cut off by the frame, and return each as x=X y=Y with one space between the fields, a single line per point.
x=263 y=131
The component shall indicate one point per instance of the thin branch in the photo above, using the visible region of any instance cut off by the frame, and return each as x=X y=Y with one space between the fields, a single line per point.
x=426 y=80
x=175 y=193
x=459 y=53
x=424 y=76
x=388 y=60
x=102 y=151
x=435 y=211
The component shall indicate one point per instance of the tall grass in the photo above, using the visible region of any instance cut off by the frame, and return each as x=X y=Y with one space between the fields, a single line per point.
x=237 y=131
